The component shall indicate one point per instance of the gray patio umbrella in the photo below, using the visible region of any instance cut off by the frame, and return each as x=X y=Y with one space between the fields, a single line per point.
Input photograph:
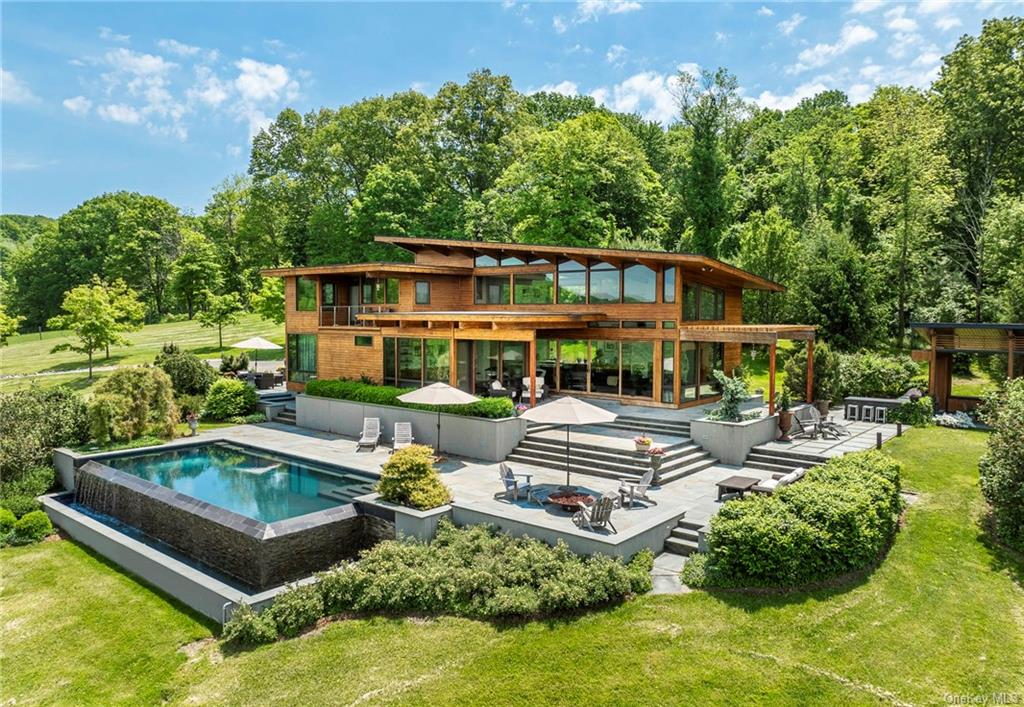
x=568 y=411
x=438 y=394
x=256 y=344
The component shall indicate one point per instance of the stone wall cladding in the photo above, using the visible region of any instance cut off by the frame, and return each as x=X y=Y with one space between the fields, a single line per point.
x=259 y=554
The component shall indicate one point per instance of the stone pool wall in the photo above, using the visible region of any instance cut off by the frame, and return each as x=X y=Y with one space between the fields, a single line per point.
x=259 y=554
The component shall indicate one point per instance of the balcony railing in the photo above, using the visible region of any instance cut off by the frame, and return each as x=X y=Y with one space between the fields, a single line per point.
x=346 y=315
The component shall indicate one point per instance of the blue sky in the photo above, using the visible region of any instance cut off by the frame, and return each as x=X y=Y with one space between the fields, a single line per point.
x=163 y=98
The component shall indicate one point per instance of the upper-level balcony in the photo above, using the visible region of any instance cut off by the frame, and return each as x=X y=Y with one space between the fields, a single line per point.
x=348 y=315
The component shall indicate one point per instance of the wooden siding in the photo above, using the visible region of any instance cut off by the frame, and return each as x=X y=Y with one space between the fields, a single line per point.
x=297 y=322
x=337 y=355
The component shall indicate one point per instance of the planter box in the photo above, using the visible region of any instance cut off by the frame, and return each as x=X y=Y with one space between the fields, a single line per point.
x=731 y=442
x=409 y=522
x=472 y=437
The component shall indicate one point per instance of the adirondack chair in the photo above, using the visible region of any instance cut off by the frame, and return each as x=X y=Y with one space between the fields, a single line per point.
x=804 y=423
x=403 y=436
x=632 y=488
x=513 y=485
x=371 y=433
x=596 y=515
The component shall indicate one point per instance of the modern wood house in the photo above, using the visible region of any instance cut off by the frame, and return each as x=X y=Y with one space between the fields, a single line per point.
x=644 y=327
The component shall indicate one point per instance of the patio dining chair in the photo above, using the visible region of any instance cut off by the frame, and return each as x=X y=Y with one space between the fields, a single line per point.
x=827 y=427
x=597 y=515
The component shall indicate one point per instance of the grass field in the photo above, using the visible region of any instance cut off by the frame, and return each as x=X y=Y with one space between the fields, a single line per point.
x=30 y=353
x=943 y=614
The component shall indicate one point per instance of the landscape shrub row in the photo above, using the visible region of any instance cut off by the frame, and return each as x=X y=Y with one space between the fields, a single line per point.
x=494 y=408
x=837 y=519
x=475 y=572
x=30 y=528
x=918 y=413
x=1002 y=466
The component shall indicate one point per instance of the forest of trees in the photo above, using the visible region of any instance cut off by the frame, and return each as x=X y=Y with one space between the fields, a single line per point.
x=908 y=206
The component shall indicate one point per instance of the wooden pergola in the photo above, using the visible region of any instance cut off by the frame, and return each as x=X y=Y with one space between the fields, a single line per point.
x=769 y=334
x=948 y=338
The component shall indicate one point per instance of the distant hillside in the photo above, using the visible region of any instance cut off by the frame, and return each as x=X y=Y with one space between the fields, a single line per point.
x=19 y=228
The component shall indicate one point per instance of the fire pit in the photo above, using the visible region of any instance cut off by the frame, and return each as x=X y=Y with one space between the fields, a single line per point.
x=570 y=500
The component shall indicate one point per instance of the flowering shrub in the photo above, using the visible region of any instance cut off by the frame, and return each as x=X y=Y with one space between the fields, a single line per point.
x=643 y=441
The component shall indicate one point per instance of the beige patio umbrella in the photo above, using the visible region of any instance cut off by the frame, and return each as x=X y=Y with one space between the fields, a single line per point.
x=438 y=394
x=568 y=411
x=257 y=344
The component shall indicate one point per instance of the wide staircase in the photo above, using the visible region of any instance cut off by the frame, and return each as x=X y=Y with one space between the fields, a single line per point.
x=683 y=540
x=780 y=461
x=682 y=457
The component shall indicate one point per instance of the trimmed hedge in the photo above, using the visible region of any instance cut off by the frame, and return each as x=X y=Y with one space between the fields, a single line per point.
x=475 y=572
x=837 y=519
x=30 y=528
x=493 y=408
x=189 y=374
x=877 y=376
x=230 y=397
x=409 y=478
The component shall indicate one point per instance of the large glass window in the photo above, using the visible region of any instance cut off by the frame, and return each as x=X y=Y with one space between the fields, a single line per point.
x=485 y=261
x=711 y=359
x=604 y=283
x=638 y=368
x=604 y=367
x=410 y=363
x=390 y=360
x=572 y=282
x=639 y=284
x=547 y=360
x=492 y=290
x=668 y=371
x=513 y=367
x=328 y=296
x=511 y=260
x=485 y=363
x=423 y=292
x=301 y=357
x=534 y=288
x=438 y=361
x=572 y=364
x=688 y=370
x=380 y=291
x=701 y=302
x=668 y=285
x=305 y=294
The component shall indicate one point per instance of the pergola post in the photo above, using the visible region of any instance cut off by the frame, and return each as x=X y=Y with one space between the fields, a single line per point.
x=1009 y=355
x=810 y=370
x=771 y=378
x=530 y=356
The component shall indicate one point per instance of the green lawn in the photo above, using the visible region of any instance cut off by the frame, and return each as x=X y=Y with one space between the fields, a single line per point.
x=757 y=367
x=943 y=614
x=30 y=353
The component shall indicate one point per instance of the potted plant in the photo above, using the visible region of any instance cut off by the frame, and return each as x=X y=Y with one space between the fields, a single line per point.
x=782 y=402
x=520 y=409
x=643 y=443
x=823 y=406
x=655 y=455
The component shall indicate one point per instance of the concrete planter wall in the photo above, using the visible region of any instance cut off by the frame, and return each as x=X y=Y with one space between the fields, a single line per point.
x=409 y=522
x=472 y=437
x=731 y=442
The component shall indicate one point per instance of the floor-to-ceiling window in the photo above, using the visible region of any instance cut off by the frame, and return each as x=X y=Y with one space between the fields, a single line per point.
x=413 y=362
x=513 y=364
x=638 y=368
x=437 y=361
x=533 y=288
x=688 y=370
x=301 y=357
x=604 y=367
x=668 y=371
x=492 y=289
x=410 y=362
x=485 y=363
x=712 y=357
x=572 y=282
x=390 y=361
x=572 y=364
x=547 y=360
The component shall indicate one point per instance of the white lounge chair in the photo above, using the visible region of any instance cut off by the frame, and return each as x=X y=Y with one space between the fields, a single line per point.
x=632 y=488
x=770 y=486
x=403 y=436
x=526 y=387
x=514 y=487
x=596 y=515
x=371 y=433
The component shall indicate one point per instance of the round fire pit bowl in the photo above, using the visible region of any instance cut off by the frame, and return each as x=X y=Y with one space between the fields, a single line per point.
x=570 y=500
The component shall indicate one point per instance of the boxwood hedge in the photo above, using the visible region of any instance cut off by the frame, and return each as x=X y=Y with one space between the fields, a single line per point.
x=356 y=391
x=838 y=519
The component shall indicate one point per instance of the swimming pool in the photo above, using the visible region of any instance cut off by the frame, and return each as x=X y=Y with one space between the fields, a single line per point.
x=253 y=483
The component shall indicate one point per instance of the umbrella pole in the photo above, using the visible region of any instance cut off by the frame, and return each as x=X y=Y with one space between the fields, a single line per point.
x=439 y=431
x=567 y=455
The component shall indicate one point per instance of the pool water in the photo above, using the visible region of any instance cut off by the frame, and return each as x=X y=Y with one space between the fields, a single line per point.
x=252 y=483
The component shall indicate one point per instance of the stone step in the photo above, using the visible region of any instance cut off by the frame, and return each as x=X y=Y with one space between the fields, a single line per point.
x=668 y=476
x=787 y=454
x=647 y=427
x=773 y=468
x=680 y=547
x=685 y=534
x=557 y=461
x=574 y=468
x=690 y=524
x=587 y=449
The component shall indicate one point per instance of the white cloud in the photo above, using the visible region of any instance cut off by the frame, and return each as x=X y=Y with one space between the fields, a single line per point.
x=788 y=26
x=587 y=10
x=559 y=24
x=931 y=7
x=902 y=43
x=579 y=49
x=648 y=93
x=137 y=63
x=566 y=88
x=179 y=48
x=870 y=71
x=765 y=11
x=929 y=57
x=120 y=113
x=26 y=165
x=13 y=90
x=79 y=105
x=616 y=54
x=233 y=150
x=259 y=82
x=110 y=35
x=852 y=35
x=209 y=89
x=767 y=99
x=896 y=20
x=947 y=23
x=721 y=37
x=419 y=86
x=859 y=92
x=863 y=6
x=690 y=67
